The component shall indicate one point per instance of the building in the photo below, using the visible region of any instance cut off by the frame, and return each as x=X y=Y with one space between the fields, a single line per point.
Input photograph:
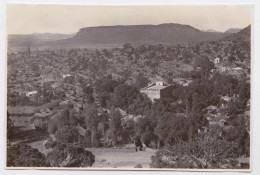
x=217 y=60
x=157 y=90
x=31 y=93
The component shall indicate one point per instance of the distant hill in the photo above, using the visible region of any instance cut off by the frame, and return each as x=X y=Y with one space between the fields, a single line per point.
x=170 y=33
x=242 y=36
x=233 y=30
x=29 y=40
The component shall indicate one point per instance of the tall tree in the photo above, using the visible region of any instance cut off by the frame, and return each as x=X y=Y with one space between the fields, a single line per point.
x=115 y=126
x=92 y=120
x=141 y=81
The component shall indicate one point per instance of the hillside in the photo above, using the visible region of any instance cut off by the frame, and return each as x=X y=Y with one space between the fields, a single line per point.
x=243 y=36
x=233 y=30
x=29 y=40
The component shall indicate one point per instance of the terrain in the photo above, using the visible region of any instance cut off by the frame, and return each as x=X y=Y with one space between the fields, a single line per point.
x=22 y=41
x=233 y=30
x=243 y=35
x=120 y=157
x=116 y=36
x=81 y=107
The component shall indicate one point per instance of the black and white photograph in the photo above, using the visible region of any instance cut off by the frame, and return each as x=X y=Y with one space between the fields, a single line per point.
x=128 y=87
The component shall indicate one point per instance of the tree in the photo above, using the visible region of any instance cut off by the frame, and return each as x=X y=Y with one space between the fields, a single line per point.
x=104 y=98
x=39 y=123
x=92 y=119
x=66 y=135
x=66 y=155
x=145 y=129
x=172 y=129
x=141 y=81
x=205 y=64
x=140 y=105
x=22 y=155
x=124 y=95
x=203 y=153
x=115 y=126
x=244 y=93
x=10 y=126
x=105 y=85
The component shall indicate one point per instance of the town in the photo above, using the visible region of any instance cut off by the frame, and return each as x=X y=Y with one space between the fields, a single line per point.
x=185 y=105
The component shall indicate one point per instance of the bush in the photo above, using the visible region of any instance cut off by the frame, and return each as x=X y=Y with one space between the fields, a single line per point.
x=22 y=155
x=40 y=123
x=50 y=144
x=138 y=166
x=202 y=153
x=66 y=135
x=66 y=155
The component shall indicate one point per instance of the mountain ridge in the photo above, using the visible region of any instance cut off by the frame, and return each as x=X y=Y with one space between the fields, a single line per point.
x=169 y=33
x=243 y=35
x=166 y=33
x=233 y=30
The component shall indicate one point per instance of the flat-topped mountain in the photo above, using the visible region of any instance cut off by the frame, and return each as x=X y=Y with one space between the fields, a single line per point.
x=170 y=33
x=143 y=34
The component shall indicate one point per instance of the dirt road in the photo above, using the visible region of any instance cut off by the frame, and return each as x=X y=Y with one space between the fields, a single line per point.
x=123 y=157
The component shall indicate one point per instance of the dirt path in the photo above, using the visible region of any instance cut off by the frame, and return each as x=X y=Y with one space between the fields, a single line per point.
x=121 y=157
x=125 y=157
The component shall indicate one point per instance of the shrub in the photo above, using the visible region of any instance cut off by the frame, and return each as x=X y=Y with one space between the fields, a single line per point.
x=50 y=144
x=66 y=155
x=138 y=166
x=66 y=135
x=22 y=155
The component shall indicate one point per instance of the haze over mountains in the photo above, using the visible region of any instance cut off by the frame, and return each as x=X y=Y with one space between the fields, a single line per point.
x=242 y=36
x=170 y=33
x=233 y=30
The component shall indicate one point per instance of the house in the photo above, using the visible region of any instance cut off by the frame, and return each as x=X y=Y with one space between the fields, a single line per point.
x=225 y=58
x=222 y=122
x=31 y=93
x=223 y=69
x=217 y=60
x=212 y=70
x=43 y=113
x=237 y=69
x=211 y=108
x=182 y=81
x=226 y=98
x=157 y=90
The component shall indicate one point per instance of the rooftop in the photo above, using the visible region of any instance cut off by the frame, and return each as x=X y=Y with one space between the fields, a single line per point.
x=158 y=85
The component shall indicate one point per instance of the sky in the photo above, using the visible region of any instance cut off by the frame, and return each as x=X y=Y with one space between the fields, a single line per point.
x=26 y=19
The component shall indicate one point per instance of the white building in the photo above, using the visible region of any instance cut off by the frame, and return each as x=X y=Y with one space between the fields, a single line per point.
x=217 y=60
x=157 y=90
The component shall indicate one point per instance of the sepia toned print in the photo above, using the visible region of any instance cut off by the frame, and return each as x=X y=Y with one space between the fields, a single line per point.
x=129 y=87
